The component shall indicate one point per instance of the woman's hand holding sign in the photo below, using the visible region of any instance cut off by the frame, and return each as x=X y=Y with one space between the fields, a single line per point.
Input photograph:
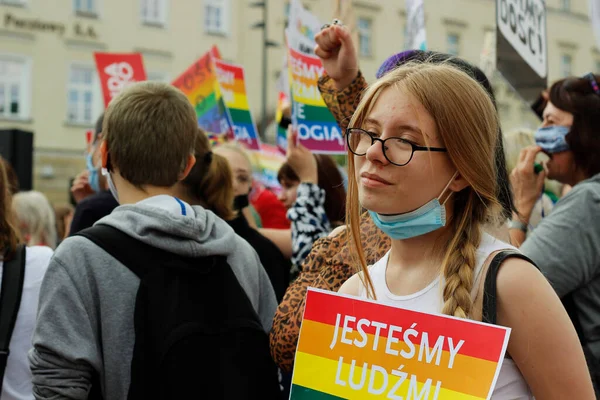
x=338 y=54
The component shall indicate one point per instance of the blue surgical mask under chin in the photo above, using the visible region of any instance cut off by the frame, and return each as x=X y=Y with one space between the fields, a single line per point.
x=93 y=177
x=553 y=139
x=111 y=184
x=428 y=218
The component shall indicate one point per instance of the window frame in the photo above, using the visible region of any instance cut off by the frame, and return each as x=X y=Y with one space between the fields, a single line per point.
x=226 y=9
x=565 y=5
x=97 y=105
x=95 y=13
x=449 y=35
x=164 y=13
x=369 y=35
x=16 y=3
x=25 y=86
x=563 y=57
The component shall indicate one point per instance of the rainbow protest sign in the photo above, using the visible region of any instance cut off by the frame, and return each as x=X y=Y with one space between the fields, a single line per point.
x=317 y=128
x=198 y=84
x=270 y=160
x=233 y=90
x=281 y=133
x=359 y=349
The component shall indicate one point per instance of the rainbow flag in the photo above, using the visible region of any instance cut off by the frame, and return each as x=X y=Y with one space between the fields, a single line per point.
x=232 y=87
x=198 y=84
x=281 y=133
x=269 y=160
x=351 y=348
x=317 y=128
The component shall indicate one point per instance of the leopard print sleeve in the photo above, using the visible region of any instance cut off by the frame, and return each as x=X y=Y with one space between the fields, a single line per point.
x=327 y=267
x=342 y=104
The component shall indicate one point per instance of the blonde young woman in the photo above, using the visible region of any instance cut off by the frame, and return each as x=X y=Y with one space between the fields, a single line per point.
x=421 y=162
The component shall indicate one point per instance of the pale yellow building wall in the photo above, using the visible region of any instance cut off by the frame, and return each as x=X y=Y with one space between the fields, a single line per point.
x=170 y=49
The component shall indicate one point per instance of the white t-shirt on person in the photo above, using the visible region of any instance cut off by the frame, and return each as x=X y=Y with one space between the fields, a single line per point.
x=510 y=384
x=17 y=376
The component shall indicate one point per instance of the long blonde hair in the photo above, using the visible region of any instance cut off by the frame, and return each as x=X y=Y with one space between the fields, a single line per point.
x=467 y=124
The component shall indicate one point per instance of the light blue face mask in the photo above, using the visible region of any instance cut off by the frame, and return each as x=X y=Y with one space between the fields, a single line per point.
x=93 y=177
x=552 y=139
x=111 y=184
x=425 y=219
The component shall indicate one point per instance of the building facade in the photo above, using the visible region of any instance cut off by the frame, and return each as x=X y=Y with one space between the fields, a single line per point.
x=49 y=85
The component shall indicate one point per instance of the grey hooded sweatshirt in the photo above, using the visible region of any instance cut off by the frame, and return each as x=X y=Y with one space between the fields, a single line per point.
x=87 y=298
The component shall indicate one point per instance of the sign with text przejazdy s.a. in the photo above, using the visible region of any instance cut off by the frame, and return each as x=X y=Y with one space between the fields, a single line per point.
x=316 y=128
x=350 y=348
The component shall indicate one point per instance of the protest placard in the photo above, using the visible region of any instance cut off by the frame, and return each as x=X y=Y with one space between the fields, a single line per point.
x=281 y=132
x=198 y=83
x=302 y=28
x=416 y=37
x=117 y=71
x=232 y=86
x=522 y=46
x=350 y=348
x=316 y=128
x=268 y=162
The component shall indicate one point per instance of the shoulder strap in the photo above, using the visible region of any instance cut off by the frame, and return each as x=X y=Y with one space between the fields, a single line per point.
x=13 y=275
x=129 y=251
x=490 y=290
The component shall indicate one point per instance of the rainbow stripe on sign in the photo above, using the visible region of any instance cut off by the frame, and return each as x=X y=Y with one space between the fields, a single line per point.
x=198 y=84
x=351 y=348
x=281 y=133
x=233 y=89
x=317 y=128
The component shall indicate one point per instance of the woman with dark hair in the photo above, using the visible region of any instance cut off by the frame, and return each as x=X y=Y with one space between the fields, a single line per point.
x=329 y=263
x=210 y=185
x=566 y=244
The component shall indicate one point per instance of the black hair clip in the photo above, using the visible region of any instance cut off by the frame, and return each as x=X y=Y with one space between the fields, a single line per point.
x=208 y=157
x=593 y=82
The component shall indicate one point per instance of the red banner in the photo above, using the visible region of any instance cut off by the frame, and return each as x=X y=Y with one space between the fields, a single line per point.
x=117 y=71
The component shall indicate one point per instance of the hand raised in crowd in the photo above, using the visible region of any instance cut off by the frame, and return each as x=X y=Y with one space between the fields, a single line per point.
x=301 y=160
x=526 y=184
x=338 y=54
x=81 y=187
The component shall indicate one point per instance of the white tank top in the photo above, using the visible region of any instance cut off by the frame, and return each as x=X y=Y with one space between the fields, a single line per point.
x=510 y=385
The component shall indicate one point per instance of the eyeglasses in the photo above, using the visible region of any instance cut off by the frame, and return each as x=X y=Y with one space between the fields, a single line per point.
x=396 y=150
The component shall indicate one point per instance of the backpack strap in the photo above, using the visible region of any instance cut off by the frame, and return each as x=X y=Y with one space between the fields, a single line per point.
x=13 y=276
x=490 y=288
x=129 y=251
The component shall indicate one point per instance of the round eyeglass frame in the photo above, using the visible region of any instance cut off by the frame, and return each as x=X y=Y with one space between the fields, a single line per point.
x=415 y=147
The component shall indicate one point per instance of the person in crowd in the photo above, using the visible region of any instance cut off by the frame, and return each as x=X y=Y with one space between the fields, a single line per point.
x=329 y=263
x=16 y=383
x=314 y=194
x=515 y=141
x=266 y=210
x=409 y=129
x=149 y=133
x=36 y=219
x=210 y=185
x=90 y=189
x=566 y=244
x=64 y=215
x=13 y=180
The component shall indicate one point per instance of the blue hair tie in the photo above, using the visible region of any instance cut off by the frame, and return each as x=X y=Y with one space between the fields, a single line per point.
x=593 y=82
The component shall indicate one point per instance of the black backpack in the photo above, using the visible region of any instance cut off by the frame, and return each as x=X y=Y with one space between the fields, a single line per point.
x=197 y=334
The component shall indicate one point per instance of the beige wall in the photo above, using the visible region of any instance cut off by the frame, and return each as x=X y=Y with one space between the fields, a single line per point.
x=170 y=49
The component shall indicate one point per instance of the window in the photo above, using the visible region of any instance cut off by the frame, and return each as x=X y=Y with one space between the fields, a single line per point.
x=216 y=16
x=83 y=96
x=156 y=76
x=365 y=37
x=14 y=87
x=453 y=44
x=565 y=5
x=597 y=71
x=566 y=65
x=14 y=2
x=85 y=7
x=154 y=12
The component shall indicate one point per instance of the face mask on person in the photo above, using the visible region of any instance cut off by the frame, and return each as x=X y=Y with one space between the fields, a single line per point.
x=93 y=177
x=240 y=202
x=111 y=185
x=552 y=139
x=425 y=219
